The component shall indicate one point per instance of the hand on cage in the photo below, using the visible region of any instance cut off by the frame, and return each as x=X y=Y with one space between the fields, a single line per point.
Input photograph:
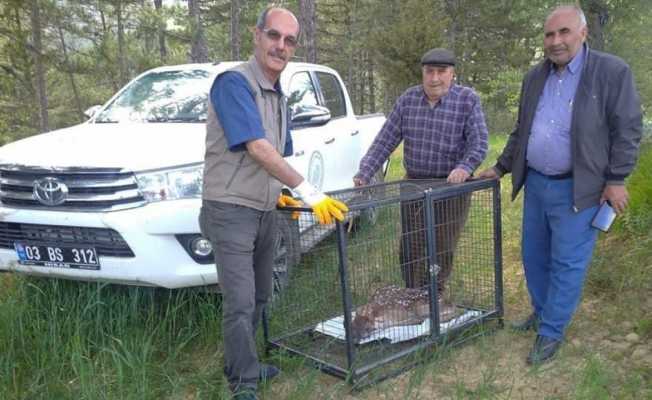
x=289 y=201
x=325 y=208
x=458 y=175
x=489 y=173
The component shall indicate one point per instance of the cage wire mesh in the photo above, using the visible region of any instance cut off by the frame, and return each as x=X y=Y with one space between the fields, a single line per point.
x=416 y=263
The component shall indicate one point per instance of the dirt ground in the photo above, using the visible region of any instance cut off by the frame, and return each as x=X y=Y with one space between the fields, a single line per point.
x=597 y=359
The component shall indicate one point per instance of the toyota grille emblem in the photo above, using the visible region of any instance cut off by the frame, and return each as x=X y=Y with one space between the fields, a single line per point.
x=50 y=191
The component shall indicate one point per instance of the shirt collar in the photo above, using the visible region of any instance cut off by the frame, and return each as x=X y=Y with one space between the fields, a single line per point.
x=262 y=80
x=578 y=61
x=575 y=65
x=441 y=100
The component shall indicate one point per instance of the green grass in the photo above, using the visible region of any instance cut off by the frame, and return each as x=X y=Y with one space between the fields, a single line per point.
x=70 y=340
x=638 y=218
x=66 y=340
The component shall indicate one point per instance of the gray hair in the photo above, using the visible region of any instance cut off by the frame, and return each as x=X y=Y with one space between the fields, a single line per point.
x=573 y=7
x=262 y=18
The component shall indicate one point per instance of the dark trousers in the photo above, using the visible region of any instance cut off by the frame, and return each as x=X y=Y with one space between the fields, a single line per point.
x=449 y=217
x=243 y=243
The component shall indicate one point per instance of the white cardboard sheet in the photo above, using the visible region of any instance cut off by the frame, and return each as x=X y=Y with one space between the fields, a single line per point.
x=335 y=327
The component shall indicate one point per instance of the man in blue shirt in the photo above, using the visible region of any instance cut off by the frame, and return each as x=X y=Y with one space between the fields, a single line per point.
x=246 y=136
x=576 y=140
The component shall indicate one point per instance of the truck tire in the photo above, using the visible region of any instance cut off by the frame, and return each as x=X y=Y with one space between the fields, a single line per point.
x=369 y=216
x=287 y=250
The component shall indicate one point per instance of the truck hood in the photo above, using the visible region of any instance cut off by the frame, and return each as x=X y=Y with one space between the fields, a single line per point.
x=134 y=147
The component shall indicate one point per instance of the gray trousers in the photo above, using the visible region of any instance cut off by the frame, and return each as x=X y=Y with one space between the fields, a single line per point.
x=243 y=244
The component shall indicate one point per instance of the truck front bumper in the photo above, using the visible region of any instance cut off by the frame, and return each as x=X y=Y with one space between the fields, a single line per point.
x=150 y=232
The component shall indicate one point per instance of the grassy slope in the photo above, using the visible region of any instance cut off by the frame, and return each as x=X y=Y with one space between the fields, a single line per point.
x=65 y=340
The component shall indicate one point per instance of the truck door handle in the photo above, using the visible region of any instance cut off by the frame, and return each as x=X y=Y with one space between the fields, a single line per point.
x=354 y=133
x=299 y=153
x=329 y=141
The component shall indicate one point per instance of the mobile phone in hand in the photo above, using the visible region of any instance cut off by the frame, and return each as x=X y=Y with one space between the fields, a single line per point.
x=604 y=217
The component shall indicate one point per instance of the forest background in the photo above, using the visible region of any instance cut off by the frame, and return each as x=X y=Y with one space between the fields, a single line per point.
x=59 y=57
x=63 y=340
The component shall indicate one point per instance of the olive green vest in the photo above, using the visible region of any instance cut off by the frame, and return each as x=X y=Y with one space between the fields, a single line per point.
x=234 y=176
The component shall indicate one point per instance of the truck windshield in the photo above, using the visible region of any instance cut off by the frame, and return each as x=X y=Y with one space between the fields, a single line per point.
x=170 y=96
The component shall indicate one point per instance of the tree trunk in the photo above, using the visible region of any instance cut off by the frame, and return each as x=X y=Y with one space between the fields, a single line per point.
x=370 y=82
x=122 y=61
x=41 y=89
x=597 y=16
x=102 y=49
x=163 y=51
x=349 y=39
x=199 y=48
x=20 y=66
x=235 y=29
x=71 y=76
x=451 y=7
x=309 y=28
x=361 y=85
x=103 y=19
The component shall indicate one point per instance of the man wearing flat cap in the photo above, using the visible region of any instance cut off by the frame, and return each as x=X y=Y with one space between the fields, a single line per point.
x=444 y=136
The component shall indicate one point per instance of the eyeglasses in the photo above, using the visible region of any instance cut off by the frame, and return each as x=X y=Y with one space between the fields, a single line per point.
x=274 y=35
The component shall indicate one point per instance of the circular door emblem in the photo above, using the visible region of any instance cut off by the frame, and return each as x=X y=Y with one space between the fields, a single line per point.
x=316 y=170
x=50 y=191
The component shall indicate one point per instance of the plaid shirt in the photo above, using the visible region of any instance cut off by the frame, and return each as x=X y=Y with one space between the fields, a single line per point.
x=438 y=139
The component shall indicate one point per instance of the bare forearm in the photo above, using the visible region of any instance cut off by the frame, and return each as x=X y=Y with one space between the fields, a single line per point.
x=265 y=154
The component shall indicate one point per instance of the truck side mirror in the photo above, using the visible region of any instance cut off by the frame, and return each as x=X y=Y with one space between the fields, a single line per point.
x=92 y=110
x=312 y=115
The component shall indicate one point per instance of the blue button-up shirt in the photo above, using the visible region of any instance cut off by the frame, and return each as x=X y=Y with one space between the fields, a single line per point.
x=549 y=146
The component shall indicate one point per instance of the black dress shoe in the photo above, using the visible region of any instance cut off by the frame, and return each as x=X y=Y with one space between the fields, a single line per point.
x=543 y=350
x=530 y=323
x=267 y=372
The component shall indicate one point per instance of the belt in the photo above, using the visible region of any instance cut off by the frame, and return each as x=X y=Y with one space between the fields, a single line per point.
x=557 y=177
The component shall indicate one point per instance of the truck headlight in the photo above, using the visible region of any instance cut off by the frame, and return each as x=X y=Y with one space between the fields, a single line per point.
x=171 y=184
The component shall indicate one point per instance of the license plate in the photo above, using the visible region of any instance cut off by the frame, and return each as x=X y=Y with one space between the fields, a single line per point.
x=57 y=256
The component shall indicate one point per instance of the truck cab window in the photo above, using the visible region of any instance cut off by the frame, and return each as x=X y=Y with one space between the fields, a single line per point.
x=332 y=92
x=302 y=94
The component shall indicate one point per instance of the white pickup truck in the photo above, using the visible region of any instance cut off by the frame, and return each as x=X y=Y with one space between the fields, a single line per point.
x=116 y=199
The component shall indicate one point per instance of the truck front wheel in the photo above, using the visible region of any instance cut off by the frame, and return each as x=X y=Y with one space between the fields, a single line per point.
x=287 y=250
x=369 y=216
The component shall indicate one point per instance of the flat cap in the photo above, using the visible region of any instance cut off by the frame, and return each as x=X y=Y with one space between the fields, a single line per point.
x=438 y=56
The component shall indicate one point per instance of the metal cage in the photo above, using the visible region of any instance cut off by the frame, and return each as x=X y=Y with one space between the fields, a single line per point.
x=416 y=264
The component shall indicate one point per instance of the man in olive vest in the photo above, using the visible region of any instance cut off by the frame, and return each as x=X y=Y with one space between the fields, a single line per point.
x=246 y=137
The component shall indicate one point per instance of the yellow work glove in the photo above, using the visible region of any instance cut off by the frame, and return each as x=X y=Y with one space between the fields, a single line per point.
x=289 y=201
x=328 y=209
x=325 y=208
